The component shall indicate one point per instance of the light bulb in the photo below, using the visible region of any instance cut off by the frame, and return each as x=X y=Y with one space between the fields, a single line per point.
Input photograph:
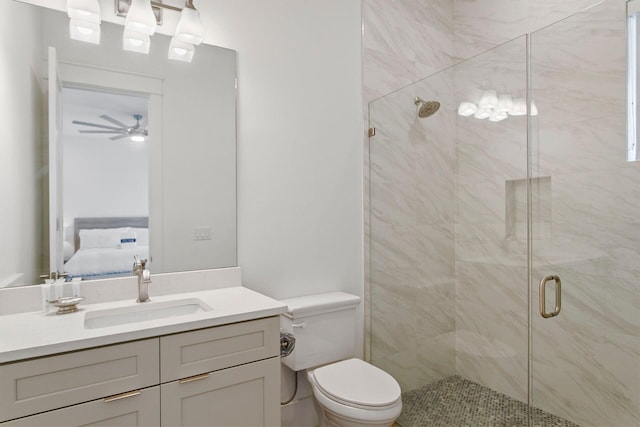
x=467 y=109
x=497 y=116
x=137 y=138
x=84 y=31
x=134 y=41
x=180 y=51
x=482 y=113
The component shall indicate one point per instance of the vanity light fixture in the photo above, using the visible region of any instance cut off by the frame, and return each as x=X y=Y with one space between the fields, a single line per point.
x=190 y=29
x=84 y=20
x=140 y=18
x=496 y=107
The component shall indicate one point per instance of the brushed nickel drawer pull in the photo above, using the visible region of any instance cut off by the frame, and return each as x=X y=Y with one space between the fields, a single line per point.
x=122 y=396
x=194 y=378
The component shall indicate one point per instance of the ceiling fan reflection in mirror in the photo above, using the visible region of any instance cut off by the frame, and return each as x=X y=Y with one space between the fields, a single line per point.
x=136 y=132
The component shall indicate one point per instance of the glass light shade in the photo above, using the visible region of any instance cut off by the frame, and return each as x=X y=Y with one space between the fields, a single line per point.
x=498 y=115
x=135 y=42
x=140 y=17
x=84 y=10
x=482 y=113
x=190 y=29
x=489 y=99
x=180 y=51
x=467 y=109
x=534 y=108
x=84 y=31
x=505 y=103
x=519 y=107
x=138 y=138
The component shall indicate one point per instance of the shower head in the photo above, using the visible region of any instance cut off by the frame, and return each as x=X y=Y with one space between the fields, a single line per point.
x=426 y=108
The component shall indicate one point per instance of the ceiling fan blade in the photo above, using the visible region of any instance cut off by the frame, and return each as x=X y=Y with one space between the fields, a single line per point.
x=115 y=138
x=114 y=121
x=77 y=122
x=99 y=131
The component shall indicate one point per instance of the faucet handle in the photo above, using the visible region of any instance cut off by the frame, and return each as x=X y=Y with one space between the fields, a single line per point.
x=139 y=262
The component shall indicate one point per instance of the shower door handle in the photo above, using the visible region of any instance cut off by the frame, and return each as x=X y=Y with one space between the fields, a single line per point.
x=543 y=309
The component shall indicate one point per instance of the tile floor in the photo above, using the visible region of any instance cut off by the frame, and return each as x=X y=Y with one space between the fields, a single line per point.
x=457 y=402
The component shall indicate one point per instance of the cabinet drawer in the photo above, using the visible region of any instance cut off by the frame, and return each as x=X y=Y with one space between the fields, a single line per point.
x=52 y=382
x=135 y=410
x=206 y=350
x=247 y=395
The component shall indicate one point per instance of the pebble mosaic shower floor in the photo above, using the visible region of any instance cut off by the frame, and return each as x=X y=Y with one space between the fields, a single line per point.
x=457 y=402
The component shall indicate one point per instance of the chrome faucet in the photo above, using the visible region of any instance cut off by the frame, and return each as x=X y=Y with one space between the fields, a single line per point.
x=144 y=278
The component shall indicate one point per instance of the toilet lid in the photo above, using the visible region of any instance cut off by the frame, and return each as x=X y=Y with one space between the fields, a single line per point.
x=357 y=382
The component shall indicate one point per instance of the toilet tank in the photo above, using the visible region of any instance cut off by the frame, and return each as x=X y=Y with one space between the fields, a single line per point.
x=324 y=326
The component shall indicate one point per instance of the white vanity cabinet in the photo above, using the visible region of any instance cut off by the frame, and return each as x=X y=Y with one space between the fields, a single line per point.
x=219 y=376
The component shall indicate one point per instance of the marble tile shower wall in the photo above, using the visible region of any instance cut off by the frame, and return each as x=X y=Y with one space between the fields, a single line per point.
x=412 y=250
x=586 y=362
x=403 y=41
x=447 y=287
x=490 y=258
x=480 y=25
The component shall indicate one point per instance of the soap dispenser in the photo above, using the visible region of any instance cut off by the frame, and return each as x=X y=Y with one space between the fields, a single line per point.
x=52 y=290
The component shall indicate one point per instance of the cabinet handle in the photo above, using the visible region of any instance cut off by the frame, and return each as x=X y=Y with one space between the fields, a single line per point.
x=122 y=396
x=194 y=378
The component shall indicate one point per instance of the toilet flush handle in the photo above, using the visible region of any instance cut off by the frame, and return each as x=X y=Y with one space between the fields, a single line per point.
x=299 y=325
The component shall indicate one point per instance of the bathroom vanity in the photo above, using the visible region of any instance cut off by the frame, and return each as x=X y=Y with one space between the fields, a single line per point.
x=218 y=366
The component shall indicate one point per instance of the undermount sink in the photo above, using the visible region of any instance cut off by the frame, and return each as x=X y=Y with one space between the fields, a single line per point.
x=142 y=312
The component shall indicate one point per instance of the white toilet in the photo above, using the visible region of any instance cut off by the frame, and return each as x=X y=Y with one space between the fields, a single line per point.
x=348 y=392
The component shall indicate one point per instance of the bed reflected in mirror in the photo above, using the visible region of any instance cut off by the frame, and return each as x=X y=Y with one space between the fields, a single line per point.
x=105 y=182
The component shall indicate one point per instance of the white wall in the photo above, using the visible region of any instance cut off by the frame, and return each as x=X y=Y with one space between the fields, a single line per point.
x=20 y=145
x=300 y=127
x=104 y=178
x=299 y=141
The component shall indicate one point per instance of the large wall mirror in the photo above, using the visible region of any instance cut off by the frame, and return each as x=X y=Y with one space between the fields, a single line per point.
x=111 y=154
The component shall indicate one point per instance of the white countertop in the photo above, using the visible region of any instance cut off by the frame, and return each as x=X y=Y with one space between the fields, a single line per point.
x=36 y=334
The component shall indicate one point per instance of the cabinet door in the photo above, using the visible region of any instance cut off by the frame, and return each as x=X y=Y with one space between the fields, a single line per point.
x=129 y=409
x=243 y=396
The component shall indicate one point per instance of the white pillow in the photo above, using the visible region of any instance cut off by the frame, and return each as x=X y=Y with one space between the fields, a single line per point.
x=142 y=236
x=128 y=239
x=102 y=238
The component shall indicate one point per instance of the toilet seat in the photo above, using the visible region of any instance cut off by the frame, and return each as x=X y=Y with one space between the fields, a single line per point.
x=357 y=383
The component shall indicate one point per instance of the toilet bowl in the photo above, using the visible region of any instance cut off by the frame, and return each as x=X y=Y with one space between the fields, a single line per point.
x=348 y=392
x=353 y=393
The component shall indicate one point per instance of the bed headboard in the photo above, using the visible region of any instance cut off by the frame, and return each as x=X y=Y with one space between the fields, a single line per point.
x=106 y=222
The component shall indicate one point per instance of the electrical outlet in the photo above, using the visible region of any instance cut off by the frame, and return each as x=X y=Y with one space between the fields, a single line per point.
x=202 y=233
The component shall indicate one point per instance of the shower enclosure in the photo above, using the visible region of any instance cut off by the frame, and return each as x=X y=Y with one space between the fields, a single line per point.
x=517 y=187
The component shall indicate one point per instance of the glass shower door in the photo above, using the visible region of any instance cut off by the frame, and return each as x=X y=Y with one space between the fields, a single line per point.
x=448 y=242
x=585 y=223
